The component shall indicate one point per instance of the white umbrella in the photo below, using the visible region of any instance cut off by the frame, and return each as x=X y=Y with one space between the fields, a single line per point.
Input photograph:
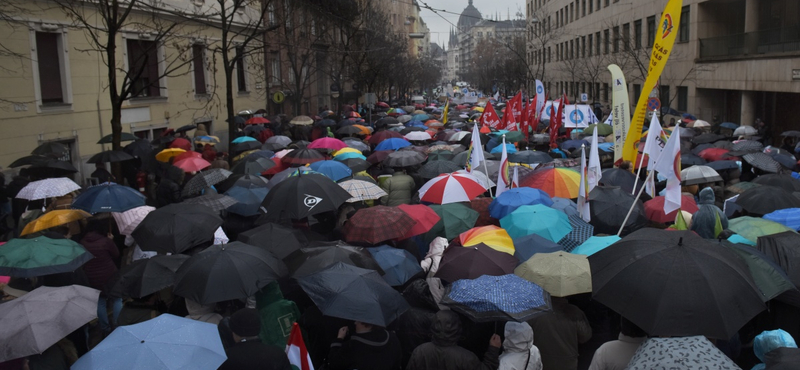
x=362 y=190
x=699 y=175
x=128 y=221
x=700 y=123
x=48 y=188
x=745 y=131
x=418 y=135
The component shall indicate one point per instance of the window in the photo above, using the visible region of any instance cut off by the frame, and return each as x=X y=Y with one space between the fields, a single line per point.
x=683 y=98
x=275 y=69
x=591 y=37
x=241 y=72
x=50 y=58
x=651 y=30
x=571 y=12
x=480 y=34
x=665 y=96
x=607 y=43
x=626 y=36
x=597 y=91
x=149 y=133
x=488 y=34
x=571 y=49
x=583 y=46
x=637 y=30
x=637 y=92
x=583 y=8
x=605 y=90
x=591 y=6
x=597 y=42
x=616 y=39
x=143 y=62
x=198 y=69
x=683 y=28
x=271 y=14
x=606 y=3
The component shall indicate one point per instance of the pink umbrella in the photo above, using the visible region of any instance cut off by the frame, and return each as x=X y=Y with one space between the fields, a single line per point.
x=451 y=188
x=327 y=143
x=192 y=164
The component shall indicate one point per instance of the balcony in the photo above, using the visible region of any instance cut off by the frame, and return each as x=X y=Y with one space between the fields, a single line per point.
x=751 y=44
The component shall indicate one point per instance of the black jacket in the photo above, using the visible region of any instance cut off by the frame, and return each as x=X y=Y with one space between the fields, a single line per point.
x=442 y=353
x=378 y=349
x=783 y=358
x=253 y=354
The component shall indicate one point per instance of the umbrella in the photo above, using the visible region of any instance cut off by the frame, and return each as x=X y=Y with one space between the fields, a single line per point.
x=766 y=199
x=109 y=156
x=253 y=164
x=530 y=157
x=560 y=273
x=782 y=248
x=461 y=158
x=52 y=168
x=327 y=143
x=48 y=188
x=691 y=160
x=108 y=197
x=181 y=143
x=602 y=129
x=654 y=209
x=227 y=271
x=51 y=147
x=349 y=130
x=572 y=145
x=440 y=155
x=165 y=342
x=380 y=136
x=713 y=154
x=783 y=181
x=145 y=276
x=54 y=218
x=376 y=224
x=537 y=219
x=176 y=228
x=302 y=196
x=424 y=219
x=205 y=179
x=706 y=138
x=318 y=256
x=455 y=218
x=128 y=221
x=687 y=353
x=41 y=256
x=723 y=165
x=361 y=190
x=302 y=121
x=745 y=131
x=490 y=235
x=763 y=162
x=789 y=217
x=245 y=181
x=747 y=146
x=393 y=144
x=257 y=121
x=581 y=231
x=279 y=139
x=527 y=246
x=415 y=135
x=216 y=202
x=595 y=244
x=246 y=146
x=450 y=188
x=497 y=298
x=279 y=240
x=768 y=275
x=344 y=155
x=399 y=265
x=675 y=283
x=510 y=149
x=356 y=164
x=29 y=160
x=741 y=187
x=435 y=168
x=512 y=199
x=30 y=324
x=621 y=178
x=243 y=139
x=404 y=158
x=302 y=156
x=355 y=144
x=729 y=125
x=753 y=228
x=333 y=169
x=166 y=154
x=185 y=128
x=610 y=206
x=354 y=293
x=557 y=182
x=474 y=261
x=192 y=164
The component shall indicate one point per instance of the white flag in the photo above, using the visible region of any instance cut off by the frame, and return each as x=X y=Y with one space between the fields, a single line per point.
x=503 y=181
x=540 y=97
x=515 y=179
x=610 y=120
x=669 y=166
x=655 y=142
x=583 y=205
x=594 y=172
x=476 y=150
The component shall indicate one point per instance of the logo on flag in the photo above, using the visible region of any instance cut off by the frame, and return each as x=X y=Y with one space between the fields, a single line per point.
x=504 y=173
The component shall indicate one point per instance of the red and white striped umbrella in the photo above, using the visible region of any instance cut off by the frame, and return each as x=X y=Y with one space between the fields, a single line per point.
x=451 y=188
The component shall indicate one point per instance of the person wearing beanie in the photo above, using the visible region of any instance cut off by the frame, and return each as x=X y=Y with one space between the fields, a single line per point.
x=248 y=352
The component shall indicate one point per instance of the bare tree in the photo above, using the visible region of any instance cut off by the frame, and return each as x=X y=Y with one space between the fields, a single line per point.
x=542 y=36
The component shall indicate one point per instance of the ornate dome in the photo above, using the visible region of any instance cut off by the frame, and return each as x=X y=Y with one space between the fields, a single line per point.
x=469 y=17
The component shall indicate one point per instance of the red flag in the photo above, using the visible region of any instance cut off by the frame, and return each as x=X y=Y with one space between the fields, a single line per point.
x=489 y=117
x=512 y=113
x=523 y=120
x=556 y=120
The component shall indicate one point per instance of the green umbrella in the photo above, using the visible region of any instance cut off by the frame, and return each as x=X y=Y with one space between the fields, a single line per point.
x=455 y=218
x=41 y=256
x=125 y=136
x=752 y=227
x=539 y=219
x=514 y=136
x=602 y=129
x=440 y=155
x=769 y=277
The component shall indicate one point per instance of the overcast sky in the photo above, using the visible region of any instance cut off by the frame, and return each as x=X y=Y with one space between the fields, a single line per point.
x=440 y=28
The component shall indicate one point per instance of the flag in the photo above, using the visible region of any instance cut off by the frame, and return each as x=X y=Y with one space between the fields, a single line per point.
x=594 y=172
x=583 y=205
x=557 y=120
x=496 y=96
x=296 y=350
x=610 y=120
x=503 y=177
x=515 y=179
x=553 y=123
x=475 y=156
x=653 y=146
x=669 y=166
x=621 y=110
x=540 y=99
x=444 y=112
x=489 y=117
x=523 y=120
x=512 y=112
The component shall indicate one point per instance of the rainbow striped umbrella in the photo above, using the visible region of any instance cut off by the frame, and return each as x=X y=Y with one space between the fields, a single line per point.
x=557 y=182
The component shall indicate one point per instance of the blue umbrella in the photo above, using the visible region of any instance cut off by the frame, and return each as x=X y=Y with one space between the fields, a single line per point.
x=565 y=205
x=333 y=169
x=595 y=244
x=249 y=199
x=581 y=232
x=165 y=342
x=736 y=238
x=348 y=155
x=515 y=198
x=574 y=144
x=415 y=123
x=689 y=116
x=497 y=298
x=510 y=148
x=723 y=165
x=243 y=139
x=108 y=197
x=421 y=117
x=789 y=217
x=539 y=219
x=398 y=264
x=392 y=144
x=526 y=246
x=606 y=147
x=730 y=125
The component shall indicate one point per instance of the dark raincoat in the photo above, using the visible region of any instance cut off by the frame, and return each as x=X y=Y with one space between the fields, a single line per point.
x=704 y=220
x=442 y=353
x=378 y=349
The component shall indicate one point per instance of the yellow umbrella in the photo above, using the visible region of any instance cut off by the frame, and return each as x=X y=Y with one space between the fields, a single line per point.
x=166 y=154
x=346 y=150
x=245 y=154
x=491 y=235
x=559 y=273
x=54 y=218
x=478 y=109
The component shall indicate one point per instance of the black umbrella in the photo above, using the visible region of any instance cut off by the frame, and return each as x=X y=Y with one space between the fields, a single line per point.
x=691 y=160
x=610 y=205
x=204 y=179
x=326 y=123
x=675 y=284
x=302 y=196
x=471 y=262
x=52 y=168
x=245 y=181
x=227 y=271
x=125 y=136
x=278 y=240
x=791 y=133
x=723 y=165
x=782 y=248
x=145 y=276
x=404 y=158
x=253 y=129
x=245 y=146
x=467 y=140
x=461 y=158
x=318 y=256
x=216 y=202
x=706 y=138
x=699 y=148
x=353 y=293
x=253 y=165
x=783 y=181
x=411 y=129
x=29 y=160
x=436 y=168
x=621 y=178
x=163 y=140
x=110 y=156
x=303 y=156
x=763 y=162
x=766 y=199
x=273 y=146
x=440 y=155
x=356 y=164
x=185 y=128
x=139 y=148
x=51 y=147
x=529 y=157
x=747 y=146
x=176 y=228
x=349 y=130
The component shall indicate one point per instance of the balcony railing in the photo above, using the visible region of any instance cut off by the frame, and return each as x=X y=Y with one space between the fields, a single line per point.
x=751 y=44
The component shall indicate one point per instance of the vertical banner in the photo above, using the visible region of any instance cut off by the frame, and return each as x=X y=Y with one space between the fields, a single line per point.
x=540 y=98
x=620 y=109
x=662 y=47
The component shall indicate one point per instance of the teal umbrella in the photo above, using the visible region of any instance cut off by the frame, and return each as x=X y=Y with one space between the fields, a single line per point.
x=41 y=256
x=243 y=139
x=348 y=155
x=455 y=218
x=753 y=227
x=595 y=244
x=539 y=219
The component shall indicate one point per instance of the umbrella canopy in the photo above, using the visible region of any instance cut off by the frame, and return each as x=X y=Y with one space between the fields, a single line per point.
x=29 y=160
x=474 y=261
x=747 y=146
x=610 y=206
x=243 y=139
x=47 y=188
x=619 y=177
x=109 y=156
x=354 y=293
x=783 y=181
x=54 y=218
x=766 y=199
x=227 y=271
x=108 y=197
x=530 y=157
x=380 y=136
x=344 y=155
x=745 y=131
x=277 y=239
x=706 y=138
x=318 y=256
x=440 y=155
x=675 y=283
x=192 y=164
x=169 y=153
x=32 y=323
x=581 y=231
x=435 y=168
x=302 y=121
x=355 y=144
x=205 y=179
x=166 y=342
x=565 y=205
x=333 y=169
x=399 y=265
x=602 y=129
x=304 y=195
x=527 y=246
x=454 y=219
x=538 y=219
x=497 y=298
x=279 y=139
x=595 y=244
x=128 y=221
x=699 y=175
x=327 y=143
x=557 y=182
x=560 y=273
x=52 y=168
x=217 y=202
x=763 y=162
x=361 y=190
x=424 y=219
x=302 y=156
x=768 y=275
x=404 y=158
x=376 y=224
x=41 y=256
x=686 y=353
x=713 y=154
x=789 y=217
x=51 y=147
x=145 y=276
x=393 y=144
x=491 y=235
x=451 y=188
x=782 y=248
x=415 y=135
x=349 y=130
x=176 y=228
x=514 y=198
x=752 y=228
x=654 y=209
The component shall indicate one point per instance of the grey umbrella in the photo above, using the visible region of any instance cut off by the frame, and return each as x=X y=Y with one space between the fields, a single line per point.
x=356 y=144
x=279 y=139
x=747 y=146
x=699 y=175
x=32 y=323
x=461 y=158
x=205 y=179
x=763 y=162
x=685 y=353
x=436 y=168
x=529 y=157
x=404 y=158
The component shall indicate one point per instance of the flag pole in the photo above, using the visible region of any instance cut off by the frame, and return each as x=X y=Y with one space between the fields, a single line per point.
x=633 y=205
x=638 y=173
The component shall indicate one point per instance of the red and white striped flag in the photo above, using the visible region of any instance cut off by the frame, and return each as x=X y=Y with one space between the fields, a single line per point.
x=296 y=350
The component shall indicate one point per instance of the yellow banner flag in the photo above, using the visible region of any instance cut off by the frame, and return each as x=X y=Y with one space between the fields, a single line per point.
x=662 y=47
x=444 y=112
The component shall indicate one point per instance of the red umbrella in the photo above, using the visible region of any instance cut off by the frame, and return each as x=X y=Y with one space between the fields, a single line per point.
x=481 y=205
x=279 y=166
x=383 y=135
x=654 y=209
x=382 y=104
x=714 y=154
x=181 y=143
x=257 y=120
x=376 y=224
x=424 y=216
x=192 y=164
x=189 y=154
x=451 y=188
x=327 y=143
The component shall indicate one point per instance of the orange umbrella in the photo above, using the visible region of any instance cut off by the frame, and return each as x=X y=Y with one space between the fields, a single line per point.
x=557 y=182
x=364 y=129
x=493 y=236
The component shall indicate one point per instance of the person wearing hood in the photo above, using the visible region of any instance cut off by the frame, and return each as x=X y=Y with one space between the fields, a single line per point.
x=616 y=354
x=558 y=334
x=442 y=352
x=100 y=269
x=519 y=353
x=775 y=348
x=201 y=312
x=200 y=131
x=369 y=348
x=168 y=190
x=704 y=220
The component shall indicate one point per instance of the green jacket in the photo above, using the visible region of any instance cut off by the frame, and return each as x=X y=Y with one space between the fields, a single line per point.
x=400 y=188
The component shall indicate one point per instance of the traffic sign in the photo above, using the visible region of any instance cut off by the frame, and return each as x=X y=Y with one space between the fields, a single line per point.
x=584 y=97
x=653 y=104
x=278 y=97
